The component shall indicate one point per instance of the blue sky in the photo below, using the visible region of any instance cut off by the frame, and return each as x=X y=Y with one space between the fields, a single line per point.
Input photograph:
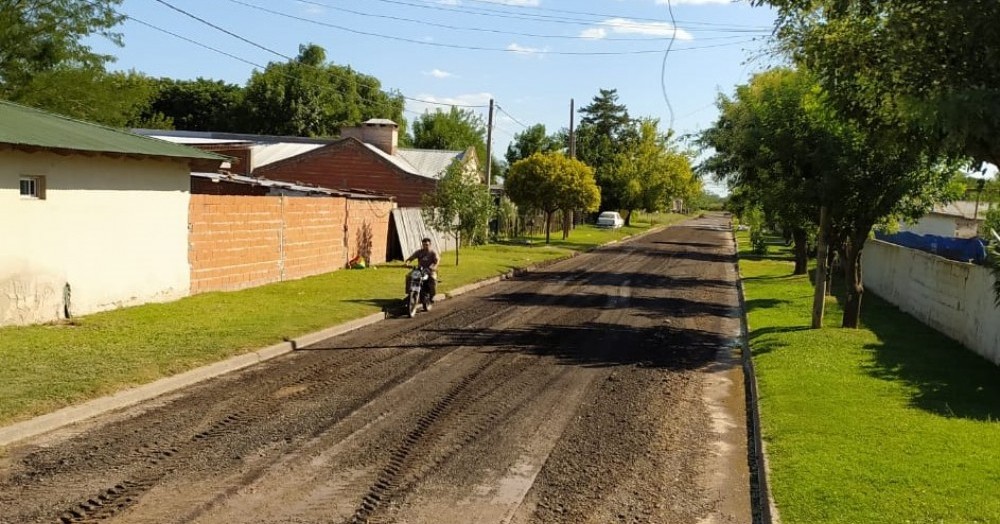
x=530 y=56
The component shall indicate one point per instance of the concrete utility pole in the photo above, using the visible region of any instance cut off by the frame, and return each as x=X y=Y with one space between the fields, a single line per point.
x=489 y=149
x=572 y=135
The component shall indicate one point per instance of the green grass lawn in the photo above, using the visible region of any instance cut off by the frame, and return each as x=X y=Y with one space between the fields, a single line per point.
x=890 y=423
x=46 y=367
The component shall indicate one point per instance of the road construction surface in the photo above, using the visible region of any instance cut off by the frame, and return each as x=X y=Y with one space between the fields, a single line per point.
x=599 y=389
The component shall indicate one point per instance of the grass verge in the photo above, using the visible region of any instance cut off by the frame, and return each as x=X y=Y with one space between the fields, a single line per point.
x=891 y=423
x=46 y=367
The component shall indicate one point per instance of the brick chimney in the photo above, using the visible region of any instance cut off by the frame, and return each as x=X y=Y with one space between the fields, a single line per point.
x=379 y=132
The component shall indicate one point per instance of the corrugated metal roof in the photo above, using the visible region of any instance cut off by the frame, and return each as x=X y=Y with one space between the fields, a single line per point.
x=381 y=122
x=28 y=127
x=962 y=208
x=264 y=154
x=429 y=163
x=198 y=141
x=265 y=182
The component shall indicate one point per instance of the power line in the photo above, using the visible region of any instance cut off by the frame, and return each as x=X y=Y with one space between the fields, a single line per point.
x=518 y=122
x=663 y=67
x=269 y=50
x=496 y=31
x=438 y=44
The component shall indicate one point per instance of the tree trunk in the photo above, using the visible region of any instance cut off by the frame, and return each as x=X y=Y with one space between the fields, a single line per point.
x=458 y=242
x=819 y=291
x=831 y=257
x=801 y=240
x=567 y=220
x=628 y=217
x=855 y=286
x=548 y=224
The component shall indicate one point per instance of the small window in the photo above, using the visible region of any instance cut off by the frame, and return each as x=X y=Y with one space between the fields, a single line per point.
x=33 y=187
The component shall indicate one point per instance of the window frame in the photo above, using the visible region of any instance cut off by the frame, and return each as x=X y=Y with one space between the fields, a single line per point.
x=36 y=185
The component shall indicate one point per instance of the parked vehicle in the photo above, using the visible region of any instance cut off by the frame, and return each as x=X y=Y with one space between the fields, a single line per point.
x=610 y=219
x=418 y=292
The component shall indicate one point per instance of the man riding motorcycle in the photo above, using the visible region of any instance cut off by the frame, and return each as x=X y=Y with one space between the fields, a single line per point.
x=427 y=259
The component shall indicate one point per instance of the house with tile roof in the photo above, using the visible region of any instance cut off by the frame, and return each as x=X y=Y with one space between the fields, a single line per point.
x=94 y=218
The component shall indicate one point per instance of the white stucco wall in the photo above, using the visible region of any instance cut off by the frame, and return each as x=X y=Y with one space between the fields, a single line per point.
x=115 y=229
x=954 y=298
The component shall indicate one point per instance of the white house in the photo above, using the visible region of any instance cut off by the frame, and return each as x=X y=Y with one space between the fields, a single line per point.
x=952 y=220
x=92 y=218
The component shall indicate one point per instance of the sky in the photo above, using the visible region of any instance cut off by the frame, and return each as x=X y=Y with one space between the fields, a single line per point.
x=532 y=57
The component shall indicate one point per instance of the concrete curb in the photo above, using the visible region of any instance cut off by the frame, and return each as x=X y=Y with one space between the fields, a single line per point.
x=69 y=415
x=72 y=414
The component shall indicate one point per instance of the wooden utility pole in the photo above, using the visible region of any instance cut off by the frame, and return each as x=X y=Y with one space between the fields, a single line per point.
x=572 y=135
x=489 y=149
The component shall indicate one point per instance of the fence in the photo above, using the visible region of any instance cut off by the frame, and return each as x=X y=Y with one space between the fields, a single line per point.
x=955 y=298
x=238 y=242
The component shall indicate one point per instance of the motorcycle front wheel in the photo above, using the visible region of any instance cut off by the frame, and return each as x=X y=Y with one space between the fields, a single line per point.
x=412 y=302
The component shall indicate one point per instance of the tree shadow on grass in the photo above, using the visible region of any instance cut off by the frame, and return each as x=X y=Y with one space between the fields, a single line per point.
x=764 y=303
x=949 y=379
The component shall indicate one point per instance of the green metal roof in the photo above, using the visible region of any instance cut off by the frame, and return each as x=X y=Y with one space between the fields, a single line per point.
x=23 y=126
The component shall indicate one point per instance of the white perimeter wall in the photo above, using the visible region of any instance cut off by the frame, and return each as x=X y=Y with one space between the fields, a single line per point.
x=954 y=298
x=115 y=229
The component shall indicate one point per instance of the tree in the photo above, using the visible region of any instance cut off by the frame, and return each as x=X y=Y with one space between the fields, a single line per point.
x=198 y=105
x=40 y=36
x=459 y=205
x=788 y=149
x=883 y=63
x=530 y=141
x=769 y=142
x=90 y=93
x=650 y=173
x=309 y=97
x=606 y=129
x=456 y=130
x=549 y=182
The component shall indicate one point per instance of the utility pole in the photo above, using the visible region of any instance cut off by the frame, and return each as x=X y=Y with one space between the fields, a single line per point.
x=489 y=150
x=572 y=135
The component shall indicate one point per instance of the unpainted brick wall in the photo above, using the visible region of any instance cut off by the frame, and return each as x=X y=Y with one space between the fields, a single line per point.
x=238 y=242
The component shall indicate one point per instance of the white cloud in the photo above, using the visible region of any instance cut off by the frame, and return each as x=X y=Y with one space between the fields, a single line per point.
x=312 y=9
x=437 y=73
x=594 y=32
x=626 y=26
x=698 y=2
x=524 y=50
x=444 y=102
x=450 y=2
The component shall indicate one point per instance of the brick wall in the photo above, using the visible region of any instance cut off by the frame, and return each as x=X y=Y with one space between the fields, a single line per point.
x=238 y=242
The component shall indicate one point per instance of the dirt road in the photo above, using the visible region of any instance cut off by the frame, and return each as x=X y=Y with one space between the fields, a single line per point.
x=599 y=389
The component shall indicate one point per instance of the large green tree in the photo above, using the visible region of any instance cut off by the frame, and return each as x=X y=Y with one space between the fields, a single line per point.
x=928 y=71
x=530 y=141
x=605 y=130
x=455 y=129
x=309 y=97
x=548 y=182
x=38 y=36
x=199 y=105
x=650 y=173
x=771 y=144
x=785 y=148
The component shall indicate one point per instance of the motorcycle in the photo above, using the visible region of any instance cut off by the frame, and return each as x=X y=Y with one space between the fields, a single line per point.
x=418 y=294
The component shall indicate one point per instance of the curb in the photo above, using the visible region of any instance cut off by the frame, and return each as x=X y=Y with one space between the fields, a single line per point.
x=72 y=414
x=69 y=415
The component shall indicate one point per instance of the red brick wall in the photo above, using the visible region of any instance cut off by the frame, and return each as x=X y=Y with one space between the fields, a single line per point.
x=350 y=165
x=375 y=213
x=237 y=242
x=314 y=236
x=233 y=242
